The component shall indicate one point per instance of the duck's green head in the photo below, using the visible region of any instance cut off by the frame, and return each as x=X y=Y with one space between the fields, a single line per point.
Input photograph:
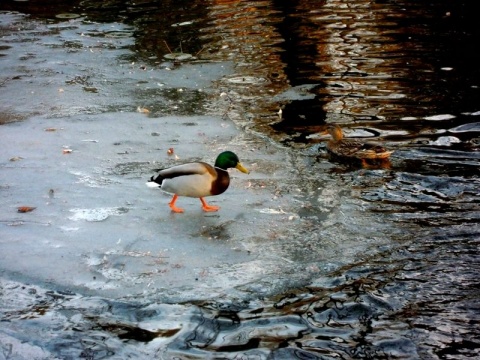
x=228 y=159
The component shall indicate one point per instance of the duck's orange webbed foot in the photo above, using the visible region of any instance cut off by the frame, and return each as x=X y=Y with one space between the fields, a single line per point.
x=172 y=205
x=208 y=208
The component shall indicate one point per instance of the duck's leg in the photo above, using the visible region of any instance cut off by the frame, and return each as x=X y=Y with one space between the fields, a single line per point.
x=207 y=207
x=172 y=205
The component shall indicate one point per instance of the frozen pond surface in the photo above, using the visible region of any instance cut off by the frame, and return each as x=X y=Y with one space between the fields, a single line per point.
x=305 y=259
x=84 y=168
x=103 y=231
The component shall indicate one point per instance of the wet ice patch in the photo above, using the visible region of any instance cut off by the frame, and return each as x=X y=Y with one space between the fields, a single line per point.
x=98 y=214
x=250 y=80
x=446 y=141
x=271 y=211
x=440 y=117
x=69 y=228
x=90 y=181
x=469 y=127
x=95 y=260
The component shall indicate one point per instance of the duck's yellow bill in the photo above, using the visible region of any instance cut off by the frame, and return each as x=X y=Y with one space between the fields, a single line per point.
x=241 y=168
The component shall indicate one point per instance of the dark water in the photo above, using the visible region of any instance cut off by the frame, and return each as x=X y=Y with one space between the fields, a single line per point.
x=405 y=72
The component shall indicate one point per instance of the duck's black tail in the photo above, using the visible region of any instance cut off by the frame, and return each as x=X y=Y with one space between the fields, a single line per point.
x=155 y=181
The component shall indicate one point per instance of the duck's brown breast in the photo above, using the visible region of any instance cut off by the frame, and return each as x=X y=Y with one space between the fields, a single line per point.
x=221 y=182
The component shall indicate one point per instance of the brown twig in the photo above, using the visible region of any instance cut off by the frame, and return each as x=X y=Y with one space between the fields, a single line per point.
x=167 y=47
x=199 y=51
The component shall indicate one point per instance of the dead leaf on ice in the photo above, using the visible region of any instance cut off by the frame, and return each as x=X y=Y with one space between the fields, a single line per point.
x=25 y=209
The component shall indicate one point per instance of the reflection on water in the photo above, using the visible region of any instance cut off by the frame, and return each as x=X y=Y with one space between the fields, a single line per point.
x=393 y=69
x=378 y=63
x=366 y=62
x=363 y=63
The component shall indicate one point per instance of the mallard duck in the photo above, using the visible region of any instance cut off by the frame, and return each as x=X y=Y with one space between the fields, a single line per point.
x=197 y=179
x=353 y=149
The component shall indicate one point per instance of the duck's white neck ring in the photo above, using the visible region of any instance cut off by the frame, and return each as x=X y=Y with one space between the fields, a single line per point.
x=216 y=167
